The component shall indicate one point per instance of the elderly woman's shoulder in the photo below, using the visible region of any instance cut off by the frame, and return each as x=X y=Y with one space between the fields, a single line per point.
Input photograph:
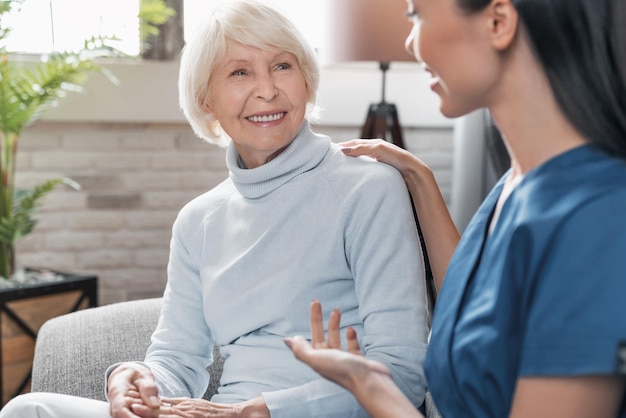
x=349 y=173
x=361 y=165
x=209 y=199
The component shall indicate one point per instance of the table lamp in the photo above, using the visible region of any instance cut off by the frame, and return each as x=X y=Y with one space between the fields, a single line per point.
x=369 y=30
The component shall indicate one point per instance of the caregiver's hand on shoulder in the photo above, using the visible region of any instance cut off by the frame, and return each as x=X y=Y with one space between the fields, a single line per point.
x=383 y=151
x=347 y=368
x=130 y=385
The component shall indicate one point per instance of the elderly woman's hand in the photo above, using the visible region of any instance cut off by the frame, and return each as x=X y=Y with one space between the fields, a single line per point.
x=201 y=408
x=133 y=393
x=327 y=358
x=131 y=385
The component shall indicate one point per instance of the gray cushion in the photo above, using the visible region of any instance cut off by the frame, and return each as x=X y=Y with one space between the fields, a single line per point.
x=431 y=409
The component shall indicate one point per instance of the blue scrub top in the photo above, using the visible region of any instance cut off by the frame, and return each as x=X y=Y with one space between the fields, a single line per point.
x=543 y=295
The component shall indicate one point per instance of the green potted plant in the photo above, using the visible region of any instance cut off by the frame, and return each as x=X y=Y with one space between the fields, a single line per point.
x=26 y=91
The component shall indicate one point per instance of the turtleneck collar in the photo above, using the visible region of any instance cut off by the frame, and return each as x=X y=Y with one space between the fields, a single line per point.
x=304 y=153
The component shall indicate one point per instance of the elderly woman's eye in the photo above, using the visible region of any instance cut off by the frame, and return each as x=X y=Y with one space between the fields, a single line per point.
x=283 y=66
x=238 y=72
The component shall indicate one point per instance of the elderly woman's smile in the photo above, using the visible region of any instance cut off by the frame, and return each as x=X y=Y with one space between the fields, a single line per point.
x=266 y=118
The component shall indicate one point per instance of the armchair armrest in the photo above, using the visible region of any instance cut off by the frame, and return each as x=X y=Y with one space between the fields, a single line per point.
x=73 y=351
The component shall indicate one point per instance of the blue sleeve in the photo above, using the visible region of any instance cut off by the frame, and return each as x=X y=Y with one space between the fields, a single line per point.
x=382 y=248
x=182 y=344
x=576 y=318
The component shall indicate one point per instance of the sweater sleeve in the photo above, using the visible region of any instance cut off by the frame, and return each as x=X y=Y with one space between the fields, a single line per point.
x=382 y=248
x=181 y=347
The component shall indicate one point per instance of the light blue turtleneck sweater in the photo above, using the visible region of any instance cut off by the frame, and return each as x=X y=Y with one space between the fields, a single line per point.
x=249 y=256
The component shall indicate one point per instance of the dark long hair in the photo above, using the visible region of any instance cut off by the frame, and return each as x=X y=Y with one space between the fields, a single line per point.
x=582 y=47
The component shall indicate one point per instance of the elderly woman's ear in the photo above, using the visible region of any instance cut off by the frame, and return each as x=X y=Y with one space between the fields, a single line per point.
x=207 y=109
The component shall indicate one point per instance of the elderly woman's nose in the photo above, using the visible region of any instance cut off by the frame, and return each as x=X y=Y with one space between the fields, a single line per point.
x=266 y=87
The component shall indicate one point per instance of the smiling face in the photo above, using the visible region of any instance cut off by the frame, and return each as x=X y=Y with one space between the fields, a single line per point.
x=259 y=98
x=455 y=48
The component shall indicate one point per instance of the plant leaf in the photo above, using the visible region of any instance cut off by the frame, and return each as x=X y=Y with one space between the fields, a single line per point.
x=151 y=14
x=25 y=203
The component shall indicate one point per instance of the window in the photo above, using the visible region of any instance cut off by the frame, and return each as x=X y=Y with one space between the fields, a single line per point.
x=42 y=26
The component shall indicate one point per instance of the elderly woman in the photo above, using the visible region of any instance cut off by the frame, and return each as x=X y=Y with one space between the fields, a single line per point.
x=296 y=220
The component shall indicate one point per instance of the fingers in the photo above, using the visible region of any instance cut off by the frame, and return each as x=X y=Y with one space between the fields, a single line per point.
x=369 y=147
x=357 y=142
x=172 y=401
x=148 y=391
x=334 y=339
x=123 y=407
x=317 y=325
x=131 y=386
x=348 y=144
x=318 y=339
x=144 y=411
x=167 y=408
x=353 y=342
x=381 y=151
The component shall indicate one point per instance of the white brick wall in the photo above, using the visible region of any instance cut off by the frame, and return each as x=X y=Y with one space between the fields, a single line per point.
x=134 y=178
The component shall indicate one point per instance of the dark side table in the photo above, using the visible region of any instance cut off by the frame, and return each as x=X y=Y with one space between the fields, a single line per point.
x=82 y=287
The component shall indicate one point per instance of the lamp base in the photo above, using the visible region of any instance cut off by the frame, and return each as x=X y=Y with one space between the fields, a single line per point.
x=383 y=118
